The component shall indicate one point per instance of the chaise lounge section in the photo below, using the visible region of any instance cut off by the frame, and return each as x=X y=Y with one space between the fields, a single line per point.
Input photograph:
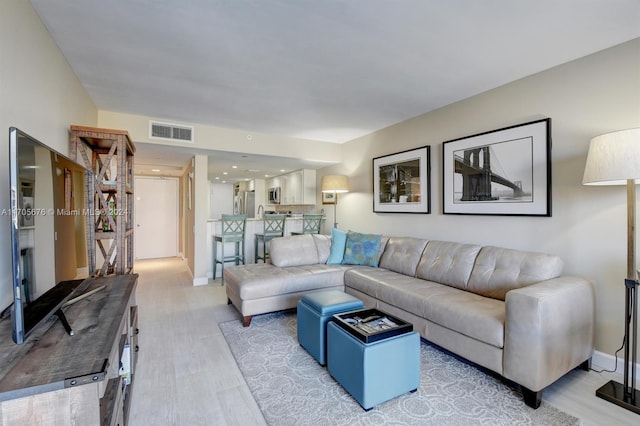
x=507 y=310
x=261 y=288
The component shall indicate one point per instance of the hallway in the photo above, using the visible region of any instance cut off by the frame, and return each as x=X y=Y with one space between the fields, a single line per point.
x=186 y=374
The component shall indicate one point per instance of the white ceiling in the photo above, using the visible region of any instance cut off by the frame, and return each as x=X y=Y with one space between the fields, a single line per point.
x=223 y=167
x=329 y=70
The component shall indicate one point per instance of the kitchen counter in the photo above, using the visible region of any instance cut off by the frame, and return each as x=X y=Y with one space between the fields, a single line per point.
x=254 y=226
x=259 y=219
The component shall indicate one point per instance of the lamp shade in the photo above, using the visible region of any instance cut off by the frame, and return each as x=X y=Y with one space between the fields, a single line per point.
x=335 y=183
x=613 y=158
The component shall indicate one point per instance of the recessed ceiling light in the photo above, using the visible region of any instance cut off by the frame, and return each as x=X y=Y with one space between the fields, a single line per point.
x=282 y=170
x=266 y=175
x=224 y=181
x=155 y=170
x=217 y=177
x=225 y=173
x=234 y=167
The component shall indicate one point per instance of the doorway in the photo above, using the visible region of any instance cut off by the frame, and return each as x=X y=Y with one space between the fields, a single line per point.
x=156 y=217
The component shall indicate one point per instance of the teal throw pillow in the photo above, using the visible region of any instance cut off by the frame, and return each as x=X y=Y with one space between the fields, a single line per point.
x=361 y=249
x=338 y=243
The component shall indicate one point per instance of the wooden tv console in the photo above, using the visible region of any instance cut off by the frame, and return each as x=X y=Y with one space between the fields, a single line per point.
x=58 y=379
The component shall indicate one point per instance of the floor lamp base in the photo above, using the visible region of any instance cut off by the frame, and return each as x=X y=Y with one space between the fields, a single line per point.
x=614 y=393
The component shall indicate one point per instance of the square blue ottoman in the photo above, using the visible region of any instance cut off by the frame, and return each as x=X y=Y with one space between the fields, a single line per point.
x=373 y=372
x=314 y=311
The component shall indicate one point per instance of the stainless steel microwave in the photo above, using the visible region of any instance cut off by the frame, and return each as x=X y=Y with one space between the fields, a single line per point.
x=274 y=195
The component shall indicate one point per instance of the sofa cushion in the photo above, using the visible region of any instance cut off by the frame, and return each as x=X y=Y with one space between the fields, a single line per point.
x=323 y=245
x=338 y=243
x=361 y=249
x=402 y=254
x=255 y=281
x=498 y=270
x=373 y=282
x=475 y=316
x=447 y=263
x=298 y=250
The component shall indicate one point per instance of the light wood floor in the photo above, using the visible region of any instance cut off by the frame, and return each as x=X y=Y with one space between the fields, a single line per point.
x=186 y=374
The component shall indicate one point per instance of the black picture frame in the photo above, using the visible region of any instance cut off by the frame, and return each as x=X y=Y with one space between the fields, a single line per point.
x=402 y=182
x=500 y=172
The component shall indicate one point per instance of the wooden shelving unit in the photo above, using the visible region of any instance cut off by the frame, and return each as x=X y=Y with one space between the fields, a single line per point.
x=109 y=154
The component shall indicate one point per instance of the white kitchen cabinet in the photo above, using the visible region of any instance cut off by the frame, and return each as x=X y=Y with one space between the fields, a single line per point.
x=296 y=188
x=299 y=187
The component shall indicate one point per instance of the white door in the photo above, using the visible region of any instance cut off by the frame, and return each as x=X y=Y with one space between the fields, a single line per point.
x=156 y=217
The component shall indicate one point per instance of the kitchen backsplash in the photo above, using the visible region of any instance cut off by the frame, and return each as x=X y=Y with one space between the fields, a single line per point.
x=293 y=209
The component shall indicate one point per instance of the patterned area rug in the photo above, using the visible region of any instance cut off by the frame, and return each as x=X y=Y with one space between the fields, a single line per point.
x=291 y=388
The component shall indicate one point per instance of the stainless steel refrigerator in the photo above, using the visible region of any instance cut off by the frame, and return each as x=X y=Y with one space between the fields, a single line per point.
x=249 y=205
x=245 y=203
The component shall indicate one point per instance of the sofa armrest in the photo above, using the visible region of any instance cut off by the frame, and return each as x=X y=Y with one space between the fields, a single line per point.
x=549 y=330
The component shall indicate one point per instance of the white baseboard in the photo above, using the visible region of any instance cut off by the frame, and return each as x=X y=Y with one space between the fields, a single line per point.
x=601 y=360
x=200 y=281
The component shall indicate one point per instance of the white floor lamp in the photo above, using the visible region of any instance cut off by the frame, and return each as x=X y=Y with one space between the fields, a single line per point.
x=335 y=184
x=614 y=159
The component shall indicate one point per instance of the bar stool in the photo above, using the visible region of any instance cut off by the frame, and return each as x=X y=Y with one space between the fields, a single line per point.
x=233 y=227
x=311 y=224
x=273 y=228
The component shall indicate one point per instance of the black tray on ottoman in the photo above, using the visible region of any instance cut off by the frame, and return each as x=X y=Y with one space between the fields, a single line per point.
x=371 y=325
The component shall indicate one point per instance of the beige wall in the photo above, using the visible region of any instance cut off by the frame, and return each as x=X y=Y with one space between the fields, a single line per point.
x=39 y=94
x=193 y=218
x=200 y=216
x=222 y=139
x=584 y=98
x=188 y=219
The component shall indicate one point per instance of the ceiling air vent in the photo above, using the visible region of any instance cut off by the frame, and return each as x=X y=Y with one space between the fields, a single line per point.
x=174 y=132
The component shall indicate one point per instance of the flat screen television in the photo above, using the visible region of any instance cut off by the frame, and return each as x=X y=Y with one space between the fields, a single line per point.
x=48 y=202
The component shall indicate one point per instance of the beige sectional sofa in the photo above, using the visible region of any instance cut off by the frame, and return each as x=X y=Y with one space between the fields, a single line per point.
x=509 y=311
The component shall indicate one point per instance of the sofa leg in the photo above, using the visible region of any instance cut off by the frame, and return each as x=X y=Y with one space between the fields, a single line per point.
x=586 y=366
x=228 y=301
x=531 y=398
x=246 y=321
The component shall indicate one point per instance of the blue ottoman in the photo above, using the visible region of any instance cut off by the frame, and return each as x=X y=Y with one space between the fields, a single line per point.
x=373 y=372
x=314 y=311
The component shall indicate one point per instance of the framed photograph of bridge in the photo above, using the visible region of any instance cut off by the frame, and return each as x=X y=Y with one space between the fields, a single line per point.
x=402 y=182
x=501 y=172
